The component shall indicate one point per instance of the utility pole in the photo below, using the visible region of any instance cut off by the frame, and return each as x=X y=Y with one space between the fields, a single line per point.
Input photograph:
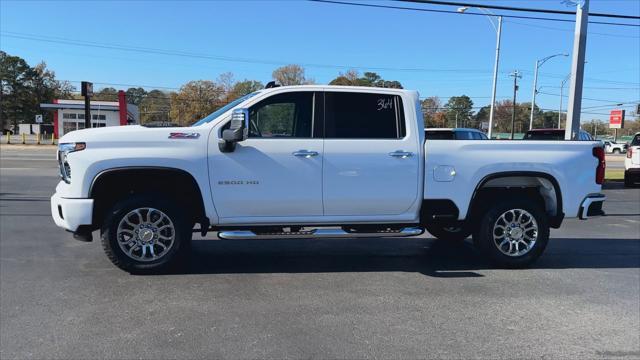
x=577 y=71
x=516 y=75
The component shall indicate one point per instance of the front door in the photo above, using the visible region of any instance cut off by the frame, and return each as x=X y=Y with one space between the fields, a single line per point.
x=277 y=171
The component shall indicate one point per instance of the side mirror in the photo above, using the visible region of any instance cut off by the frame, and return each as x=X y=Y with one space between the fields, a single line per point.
x=237 y=131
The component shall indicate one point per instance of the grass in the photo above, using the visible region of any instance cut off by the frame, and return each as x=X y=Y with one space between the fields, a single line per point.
x=614 y=174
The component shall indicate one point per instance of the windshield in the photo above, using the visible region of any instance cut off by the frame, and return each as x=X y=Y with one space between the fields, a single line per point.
x=224 y=109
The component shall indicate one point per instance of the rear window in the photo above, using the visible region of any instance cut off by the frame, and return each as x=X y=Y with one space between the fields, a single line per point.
x=636 y=140
x=438 y=135
x=363 y=116
x=544 y=135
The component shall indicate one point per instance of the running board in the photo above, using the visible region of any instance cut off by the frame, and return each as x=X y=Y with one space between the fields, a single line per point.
x=318 y=233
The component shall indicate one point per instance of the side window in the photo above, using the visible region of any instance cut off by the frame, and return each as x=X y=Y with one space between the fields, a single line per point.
x=363 y=116
x=477 y=136
x=287 y=115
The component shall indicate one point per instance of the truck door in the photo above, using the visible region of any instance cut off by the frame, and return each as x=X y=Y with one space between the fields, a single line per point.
x=277 y=171
x=370 y=164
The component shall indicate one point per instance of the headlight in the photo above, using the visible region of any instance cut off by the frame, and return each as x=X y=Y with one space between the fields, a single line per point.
x=64 y=150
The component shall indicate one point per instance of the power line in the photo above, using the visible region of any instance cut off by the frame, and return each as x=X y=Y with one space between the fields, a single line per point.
x=571 y=30
x=586 y=98
x=464 y=13
x=511 y=8
x=83 y=43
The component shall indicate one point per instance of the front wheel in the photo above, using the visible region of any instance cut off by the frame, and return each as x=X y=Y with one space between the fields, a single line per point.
x=616 y=151
x=513 y=234
x=145 y=234
x=448 y=233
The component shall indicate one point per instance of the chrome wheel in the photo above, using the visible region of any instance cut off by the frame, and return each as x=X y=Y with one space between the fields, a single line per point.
x=146 y=234
x=515 y=232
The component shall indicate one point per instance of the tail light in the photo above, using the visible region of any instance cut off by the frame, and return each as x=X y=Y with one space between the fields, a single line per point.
x=598 y=152
x=629 y=152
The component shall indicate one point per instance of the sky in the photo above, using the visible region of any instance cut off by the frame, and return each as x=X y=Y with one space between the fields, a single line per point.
x=438 y=54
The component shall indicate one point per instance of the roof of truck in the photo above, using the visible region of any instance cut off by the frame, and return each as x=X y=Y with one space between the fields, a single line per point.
x=338 y=87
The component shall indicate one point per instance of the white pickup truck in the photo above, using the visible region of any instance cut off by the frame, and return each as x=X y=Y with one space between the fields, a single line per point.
x=317 y=161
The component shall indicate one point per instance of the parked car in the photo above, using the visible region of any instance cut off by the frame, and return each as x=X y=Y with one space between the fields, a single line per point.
x=295 y=161
x=454 y=134
x=632 y=162
x=613 y=147
x=554 y=134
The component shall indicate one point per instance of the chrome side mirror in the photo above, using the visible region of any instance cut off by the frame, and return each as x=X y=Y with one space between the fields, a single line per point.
x=237 y=131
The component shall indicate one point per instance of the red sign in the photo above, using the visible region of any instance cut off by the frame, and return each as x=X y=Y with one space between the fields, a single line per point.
x=616 y=119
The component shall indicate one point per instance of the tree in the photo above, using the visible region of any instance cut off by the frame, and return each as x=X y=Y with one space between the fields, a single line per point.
x=24 y=88
x=430 y=107
x=135 y=95
x=291 y=75
x=155 y=107
x=195 y=100
x=459 y=111
x=352 y=78
x=106 y=94
x=244 y=87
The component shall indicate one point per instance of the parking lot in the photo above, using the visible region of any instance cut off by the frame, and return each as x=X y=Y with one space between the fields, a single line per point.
x=384 y=298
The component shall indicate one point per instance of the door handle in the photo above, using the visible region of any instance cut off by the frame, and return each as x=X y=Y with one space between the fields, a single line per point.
x=401 y=154
x=305 y=153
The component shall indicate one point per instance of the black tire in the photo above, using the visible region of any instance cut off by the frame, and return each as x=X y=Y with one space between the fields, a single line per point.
x=483 y=237
x=173 y=257
x=616 y=151
x=448 y=233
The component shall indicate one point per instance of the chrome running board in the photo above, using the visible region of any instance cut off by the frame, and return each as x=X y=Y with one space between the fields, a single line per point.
x=318 y=233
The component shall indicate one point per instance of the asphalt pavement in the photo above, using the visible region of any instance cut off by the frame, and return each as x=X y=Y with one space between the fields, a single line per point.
x=384 y=298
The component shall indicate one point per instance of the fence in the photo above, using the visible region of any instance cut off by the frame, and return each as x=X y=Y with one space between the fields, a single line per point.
x=32 y=139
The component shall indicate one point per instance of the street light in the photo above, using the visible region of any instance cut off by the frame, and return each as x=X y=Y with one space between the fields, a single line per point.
x=561 y=95
x=498 y=29
x=535 y=84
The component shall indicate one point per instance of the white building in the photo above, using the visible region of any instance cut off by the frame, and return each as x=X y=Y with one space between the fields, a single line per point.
x=69 y=114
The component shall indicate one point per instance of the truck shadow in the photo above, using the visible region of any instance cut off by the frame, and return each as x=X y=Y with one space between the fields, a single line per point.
x=426 y=256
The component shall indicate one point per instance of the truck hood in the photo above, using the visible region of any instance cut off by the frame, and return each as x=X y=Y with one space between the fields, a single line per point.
x=133 y=134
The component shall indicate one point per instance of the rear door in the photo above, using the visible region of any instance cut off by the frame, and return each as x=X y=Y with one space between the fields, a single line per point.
x=370 y=164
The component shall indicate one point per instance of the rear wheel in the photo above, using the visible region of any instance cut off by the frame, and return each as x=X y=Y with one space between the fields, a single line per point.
x=449 y=233
x=513 y=233
x=616 y=151
x=145 y=234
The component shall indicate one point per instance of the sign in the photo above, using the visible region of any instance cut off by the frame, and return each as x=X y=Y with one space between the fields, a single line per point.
x=484 y=125
x=616 y=119
x=39 y=119
x=86 y=88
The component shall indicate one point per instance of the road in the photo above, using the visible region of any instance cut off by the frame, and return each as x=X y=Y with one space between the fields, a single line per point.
x=384 y=298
